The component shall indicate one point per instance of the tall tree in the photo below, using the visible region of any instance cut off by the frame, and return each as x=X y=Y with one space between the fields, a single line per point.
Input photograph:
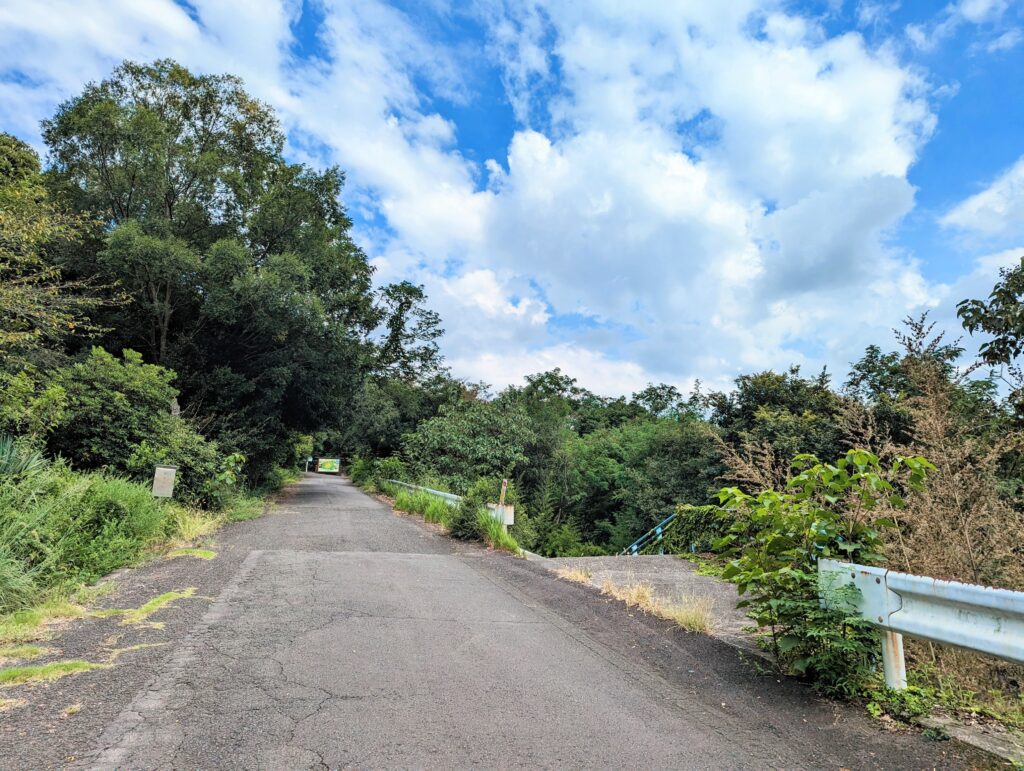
x=240 y=267
x=38 y=307
x=1002 y=318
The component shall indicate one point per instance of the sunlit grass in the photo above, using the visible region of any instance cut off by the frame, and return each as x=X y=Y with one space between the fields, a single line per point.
x=199 y=554
x=45 y=672
x=141 y=614
x=692 y=613
x=576 y=574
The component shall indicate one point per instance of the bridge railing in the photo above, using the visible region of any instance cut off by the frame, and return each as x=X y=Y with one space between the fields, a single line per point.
x=655 y=535
x=978 y=618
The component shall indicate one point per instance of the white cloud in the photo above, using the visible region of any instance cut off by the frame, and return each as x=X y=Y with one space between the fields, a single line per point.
x=953 y=16
x=691 y=191
x=997 y=211
x=592 y=370
x=1005 y=42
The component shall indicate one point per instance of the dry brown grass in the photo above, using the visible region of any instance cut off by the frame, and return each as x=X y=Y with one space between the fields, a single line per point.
x=692 y=613
x=577 y=575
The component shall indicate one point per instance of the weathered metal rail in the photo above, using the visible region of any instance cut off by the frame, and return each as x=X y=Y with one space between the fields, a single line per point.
x=978 y=618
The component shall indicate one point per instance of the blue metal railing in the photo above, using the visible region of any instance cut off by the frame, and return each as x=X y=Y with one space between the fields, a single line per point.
x=655 y=534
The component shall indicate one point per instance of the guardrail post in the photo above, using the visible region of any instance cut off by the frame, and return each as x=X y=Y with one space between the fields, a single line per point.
x=893 y=663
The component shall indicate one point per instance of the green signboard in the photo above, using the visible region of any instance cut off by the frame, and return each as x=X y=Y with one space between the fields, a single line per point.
x=328 y=465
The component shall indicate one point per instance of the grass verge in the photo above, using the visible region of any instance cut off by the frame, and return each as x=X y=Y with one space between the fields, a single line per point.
x=494 y=533
x=21 y=652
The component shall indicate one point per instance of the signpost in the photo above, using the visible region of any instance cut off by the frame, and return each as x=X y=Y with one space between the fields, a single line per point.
x=163 y=481
x=328 y=465
x=308 y=461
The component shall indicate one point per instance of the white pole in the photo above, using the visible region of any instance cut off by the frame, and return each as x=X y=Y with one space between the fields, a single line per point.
x=893 y=664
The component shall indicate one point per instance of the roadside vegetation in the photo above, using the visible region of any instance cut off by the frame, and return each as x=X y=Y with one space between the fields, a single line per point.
x=470 y=520
x=914 y=463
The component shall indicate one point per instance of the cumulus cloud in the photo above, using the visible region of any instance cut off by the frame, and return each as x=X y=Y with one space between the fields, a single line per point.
x=688 y=192
x=997 y=211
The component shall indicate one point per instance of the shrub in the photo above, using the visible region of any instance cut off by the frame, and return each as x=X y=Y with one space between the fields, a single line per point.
x=388 y=468
x=565 y=541
x=112 y=406
x=361 y=470
x=464 y=523
x=775 y=541
x=198 y=461
x=58 y=527
x=695 y=529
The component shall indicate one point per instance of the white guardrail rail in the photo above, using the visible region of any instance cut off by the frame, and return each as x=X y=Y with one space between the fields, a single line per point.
x=503 y=513
x=978 y=618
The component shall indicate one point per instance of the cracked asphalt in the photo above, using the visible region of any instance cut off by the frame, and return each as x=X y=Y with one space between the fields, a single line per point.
x=337 y=634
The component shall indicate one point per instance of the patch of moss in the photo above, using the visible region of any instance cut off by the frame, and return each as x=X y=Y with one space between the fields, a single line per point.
x=25 y=652
x=117 y=652
x=199 y=554
x=141 y=614
x=6 y=704
x=45 y=672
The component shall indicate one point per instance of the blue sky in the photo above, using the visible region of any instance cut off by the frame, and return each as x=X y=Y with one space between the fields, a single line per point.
x=644 y=191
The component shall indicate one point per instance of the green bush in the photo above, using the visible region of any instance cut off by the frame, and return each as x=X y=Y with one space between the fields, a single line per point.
x=198 y=460
x=388 y=468
x=117 y=416
x=565 y=541
x=464 y=523
x=59 y=527
x=361 y=470
x=113 y=405
x=775 y=541
x=695 y=529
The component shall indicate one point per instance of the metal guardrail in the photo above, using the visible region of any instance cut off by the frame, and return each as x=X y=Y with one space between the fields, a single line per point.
x=503 y=513
x=655 y=534
x=450 y=498
x=978 y=618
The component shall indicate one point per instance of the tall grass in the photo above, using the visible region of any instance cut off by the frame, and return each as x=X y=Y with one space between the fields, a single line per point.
x=494 y=533
x=466 y=521
x=58 y=527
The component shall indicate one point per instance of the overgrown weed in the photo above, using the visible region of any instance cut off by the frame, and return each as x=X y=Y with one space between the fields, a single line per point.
x=576 y=574
x=693 y=613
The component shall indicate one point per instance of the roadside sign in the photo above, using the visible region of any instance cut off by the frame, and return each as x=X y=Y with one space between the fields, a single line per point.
x=328 y=465
x=163 y=481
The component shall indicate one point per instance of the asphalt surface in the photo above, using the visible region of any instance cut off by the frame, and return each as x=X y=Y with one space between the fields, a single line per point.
x=334 y=633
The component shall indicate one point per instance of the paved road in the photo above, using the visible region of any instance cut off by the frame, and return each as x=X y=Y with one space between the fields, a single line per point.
x=349 y=636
